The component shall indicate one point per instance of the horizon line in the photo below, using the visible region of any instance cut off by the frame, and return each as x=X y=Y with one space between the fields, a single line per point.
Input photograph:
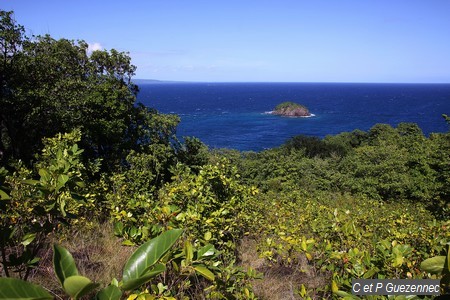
x=321 y=82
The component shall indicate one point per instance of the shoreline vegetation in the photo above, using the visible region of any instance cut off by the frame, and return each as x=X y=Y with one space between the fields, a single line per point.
x=100 y=199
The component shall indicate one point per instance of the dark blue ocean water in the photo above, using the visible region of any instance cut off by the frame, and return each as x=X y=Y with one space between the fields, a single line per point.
x=234 y=115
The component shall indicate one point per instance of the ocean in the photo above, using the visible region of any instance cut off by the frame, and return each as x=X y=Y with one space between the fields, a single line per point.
x=236 y=115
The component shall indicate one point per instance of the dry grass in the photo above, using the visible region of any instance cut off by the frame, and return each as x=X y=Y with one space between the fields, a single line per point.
x=99 y=255
x=280 y=282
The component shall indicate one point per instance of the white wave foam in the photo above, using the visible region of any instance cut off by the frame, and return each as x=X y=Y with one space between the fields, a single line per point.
x=271 y=112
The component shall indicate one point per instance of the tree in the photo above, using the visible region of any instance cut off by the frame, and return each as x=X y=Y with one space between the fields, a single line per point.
x=11 y=39
x=53 y=86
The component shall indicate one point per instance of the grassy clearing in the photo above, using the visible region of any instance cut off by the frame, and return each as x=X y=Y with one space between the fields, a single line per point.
x=99 y=255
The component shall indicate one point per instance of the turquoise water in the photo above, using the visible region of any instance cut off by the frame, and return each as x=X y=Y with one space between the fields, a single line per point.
x=235 y=115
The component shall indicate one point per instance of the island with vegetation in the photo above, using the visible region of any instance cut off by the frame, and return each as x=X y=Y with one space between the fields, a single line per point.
x=100 y=199
x=291 y=109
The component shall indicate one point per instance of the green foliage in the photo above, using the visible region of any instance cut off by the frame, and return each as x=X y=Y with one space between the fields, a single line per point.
x=13 y=288
x=39 y=203
x=313 y=146
x=354 y=205
x=144 y=265
x=132 y=199
x=198 y=270
x=288 y=104
x=52 y=86
x=210 y=205
x=394 y=164
x=193 y=153
x=347 y=237
x=78 y=286
x=63 y=264
x=440 y=265
x=138 y=268
x=137 y=272
x=111 y=292
x=385 y=163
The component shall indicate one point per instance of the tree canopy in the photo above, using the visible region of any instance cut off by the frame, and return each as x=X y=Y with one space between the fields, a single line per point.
x=50 y=86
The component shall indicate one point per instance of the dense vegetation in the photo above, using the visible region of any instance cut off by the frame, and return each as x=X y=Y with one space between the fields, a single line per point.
x=288 y=104
x=86 y=170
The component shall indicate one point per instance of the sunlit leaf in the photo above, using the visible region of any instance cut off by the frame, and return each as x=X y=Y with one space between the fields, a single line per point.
x=334 y=286
x=207 y=236
x=205 y=251
x=77 y=286
x=28 y=239
x=62 y=180
x=433 y=265
x=202 y=270
x=31 y=181
x=4 y=195
x=149 y=253
x=128 y=243
x=45 y=176
x=188 y=251
x=63 y=263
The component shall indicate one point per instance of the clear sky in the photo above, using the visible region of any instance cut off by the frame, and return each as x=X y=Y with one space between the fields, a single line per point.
x=270 y=41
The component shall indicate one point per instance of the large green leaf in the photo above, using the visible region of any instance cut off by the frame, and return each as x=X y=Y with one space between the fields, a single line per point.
x=77 y=286
x=434 y=265
x=111 y=292
x=13 y=288
x=202 y=270
x=63 y=263
x=135 y=283
x=148 y=254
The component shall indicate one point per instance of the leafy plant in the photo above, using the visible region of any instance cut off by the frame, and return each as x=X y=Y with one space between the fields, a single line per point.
x=34 y=208
x=143 y=265
x=439 y=265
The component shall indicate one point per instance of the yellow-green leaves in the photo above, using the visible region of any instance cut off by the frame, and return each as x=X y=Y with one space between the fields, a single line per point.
x=434 y=265
x=111 y=292
x=4 y=195
x=207 y=236
x=439 y=265
x=202 y=270
x=78 y=286
x=188 y=251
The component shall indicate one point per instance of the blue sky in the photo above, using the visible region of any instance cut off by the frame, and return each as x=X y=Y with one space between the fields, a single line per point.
x=270 y=41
